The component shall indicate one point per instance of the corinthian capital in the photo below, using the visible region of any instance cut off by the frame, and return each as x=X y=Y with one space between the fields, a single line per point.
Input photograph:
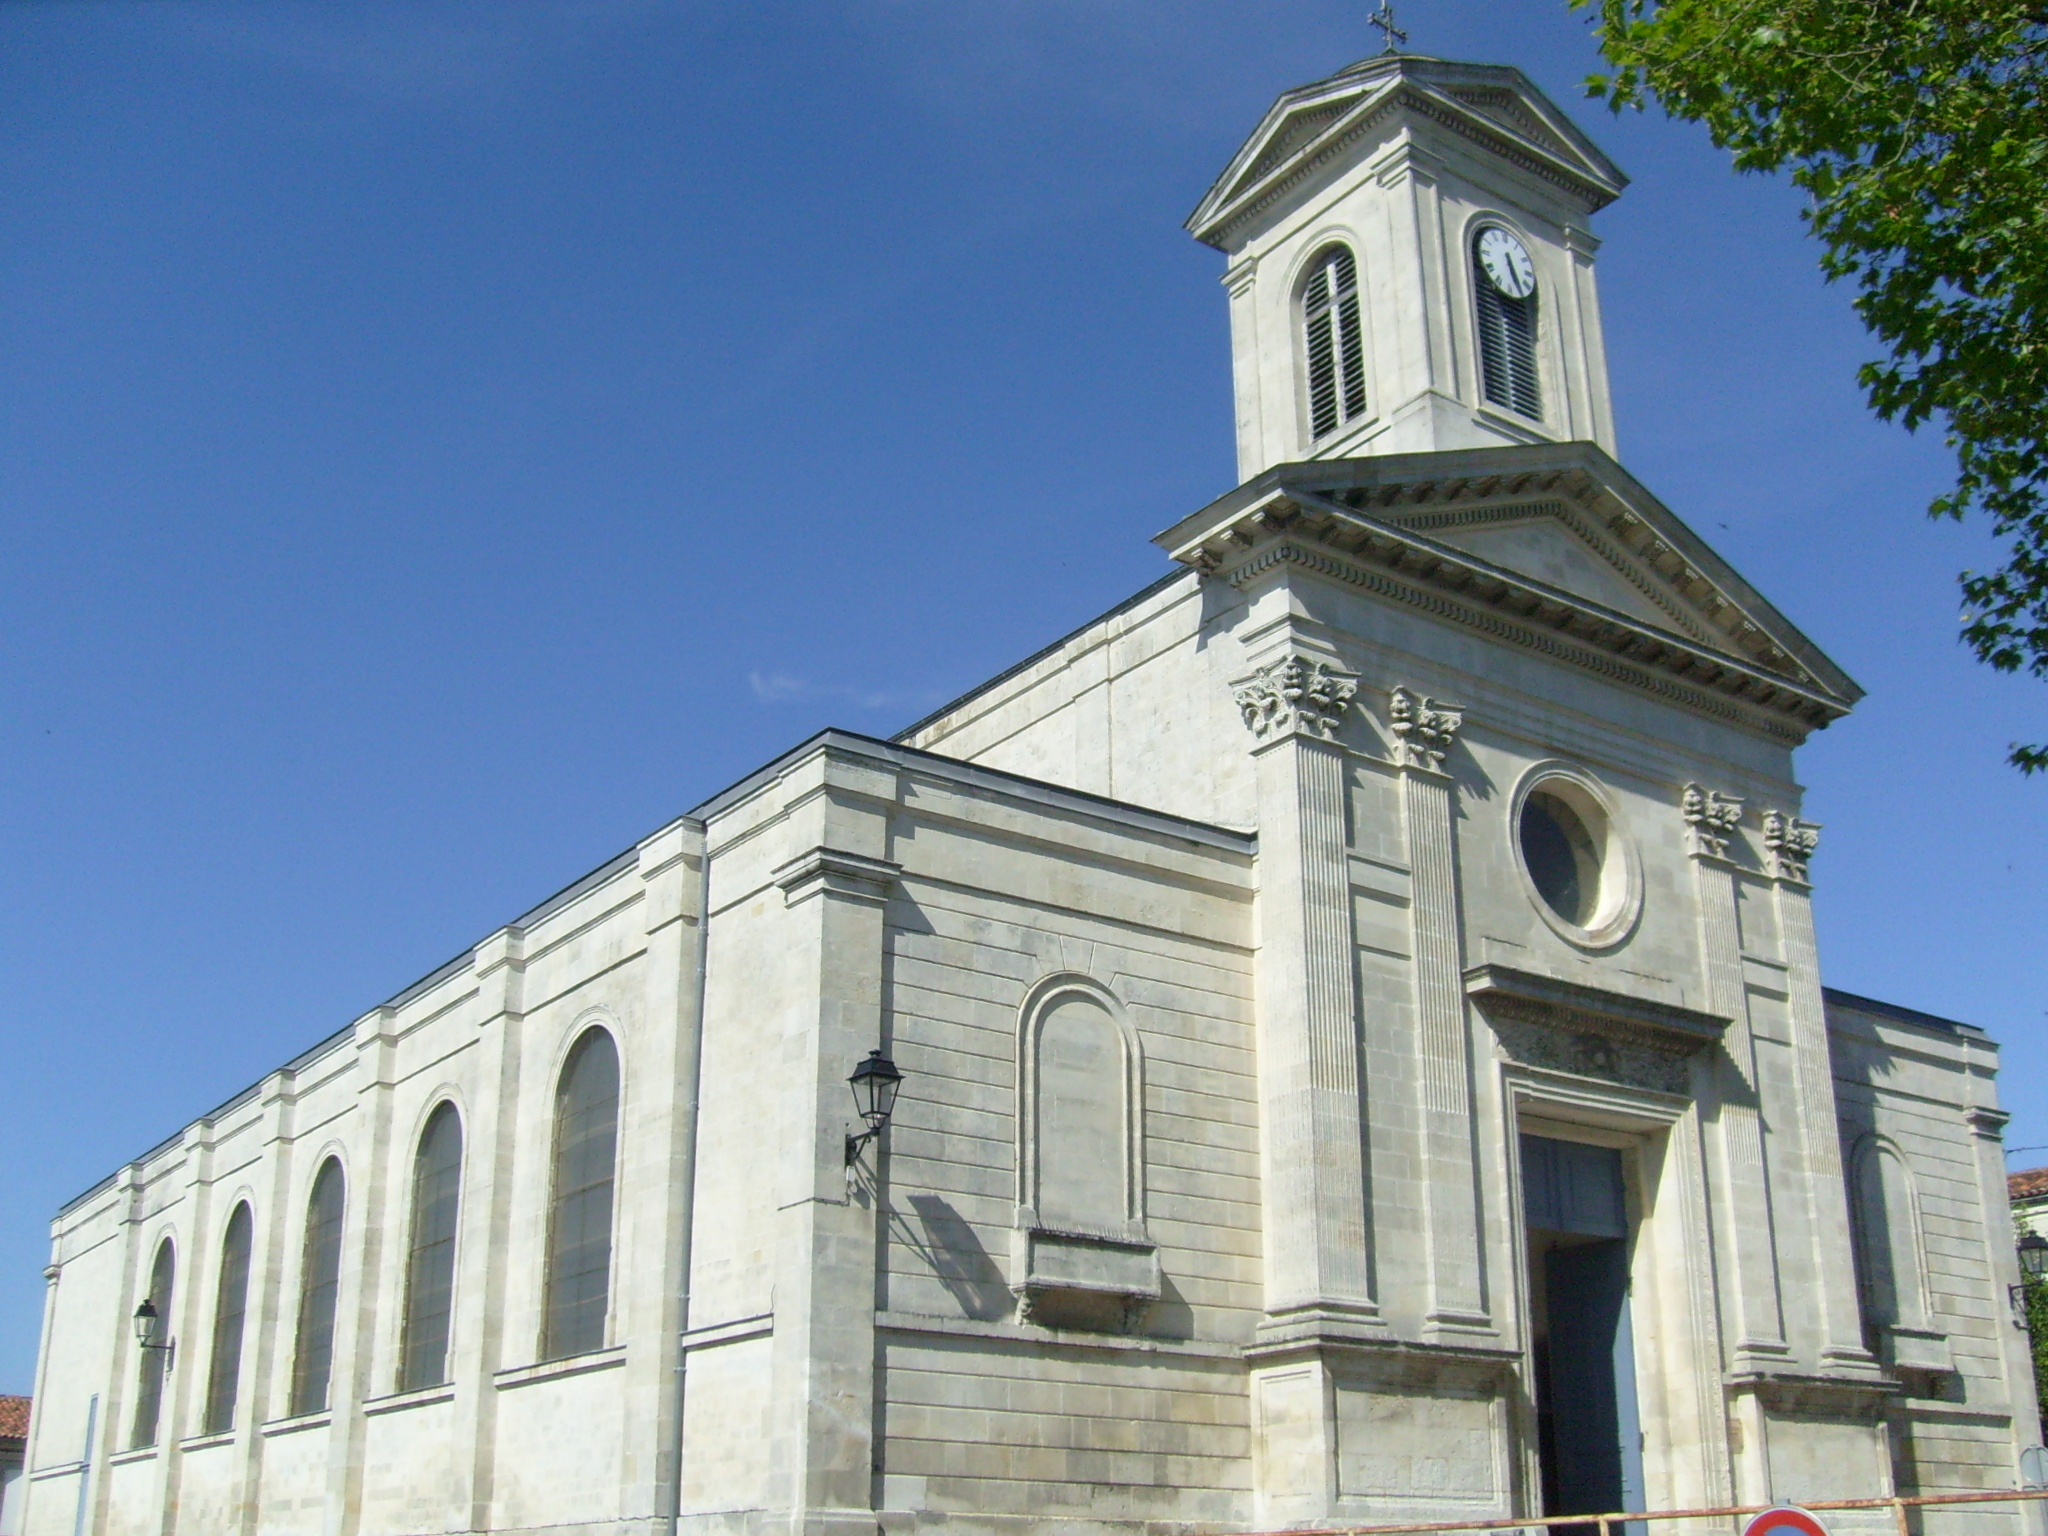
x=1788 y=845
x=1424 y=729
x=1294 y=695
x=1710 y=820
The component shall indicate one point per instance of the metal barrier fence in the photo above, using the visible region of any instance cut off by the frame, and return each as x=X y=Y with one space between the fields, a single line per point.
x=1898 y=1504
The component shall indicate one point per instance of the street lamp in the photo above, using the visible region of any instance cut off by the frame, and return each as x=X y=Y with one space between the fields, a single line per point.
x=2033 y=1248
x=874 y=1084
x=149 y=1330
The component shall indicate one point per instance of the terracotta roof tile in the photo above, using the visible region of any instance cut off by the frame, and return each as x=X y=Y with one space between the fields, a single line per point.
x=13 y=1418
x=2027 y=1184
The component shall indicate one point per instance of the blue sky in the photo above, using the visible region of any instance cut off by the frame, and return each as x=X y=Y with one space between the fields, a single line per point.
x=441 y=442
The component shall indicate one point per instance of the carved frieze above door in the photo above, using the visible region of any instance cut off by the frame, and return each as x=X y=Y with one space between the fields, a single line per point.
x=1583 y=1031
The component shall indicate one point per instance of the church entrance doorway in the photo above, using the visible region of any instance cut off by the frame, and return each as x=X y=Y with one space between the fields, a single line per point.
x=1589 y=1435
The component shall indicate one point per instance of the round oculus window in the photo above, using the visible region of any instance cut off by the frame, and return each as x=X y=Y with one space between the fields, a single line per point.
x=1564 y=856
x=1582 y=874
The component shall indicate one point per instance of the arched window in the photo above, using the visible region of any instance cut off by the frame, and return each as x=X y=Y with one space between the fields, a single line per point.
x=1335 y=347
x=430 y=1263
x=1504 y=289
x=149 y=1388
x=580 y=1220
x=319 y=1286
x=230 y=1308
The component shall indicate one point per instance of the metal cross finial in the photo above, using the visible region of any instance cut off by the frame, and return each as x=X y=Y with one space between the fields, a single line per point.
x=1383 y=18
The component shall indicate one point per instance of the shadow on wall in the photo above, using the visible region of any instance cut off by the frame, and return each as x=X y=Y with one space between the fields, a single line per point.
x=955 y=1253
x=950 y=1245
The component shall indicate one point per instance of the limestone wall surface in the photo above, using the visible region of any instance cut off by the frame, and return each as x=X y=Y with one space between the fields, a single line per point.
x=966 y=1328
x=510 y=1441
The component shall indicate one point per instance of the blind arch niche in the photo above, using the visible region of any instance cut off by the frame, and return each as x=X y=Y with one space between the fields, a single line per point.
x=1891 y=1255
x=1082 y=1257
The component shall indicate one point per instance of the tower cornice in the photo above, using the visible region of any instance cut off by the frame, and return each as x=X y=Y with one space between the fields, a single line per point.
x=1315 y=128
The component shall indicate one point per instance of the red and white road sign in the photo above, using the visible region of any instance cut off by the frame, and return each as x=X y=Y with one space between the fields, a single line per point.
x=1784 y=1521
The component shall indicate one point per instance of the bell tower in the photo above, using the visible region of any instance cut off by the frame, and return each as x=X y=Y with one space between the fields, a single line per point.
x=1411 y=266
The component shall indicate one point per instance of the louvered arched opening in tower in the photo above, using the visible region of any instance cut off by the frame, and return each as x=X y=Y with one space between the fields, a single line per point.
x=1505 y=296
x=1334 y=342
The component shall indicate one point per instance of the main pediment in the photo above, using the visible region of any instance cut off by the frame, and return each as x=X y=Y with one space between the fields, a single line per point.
x=1551 y=546
x=1308 y=131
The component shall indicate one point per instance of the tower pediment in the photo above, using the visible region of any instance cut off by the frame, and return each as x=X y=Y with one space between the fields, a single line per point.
x=1306 y=135
x=1553 y=547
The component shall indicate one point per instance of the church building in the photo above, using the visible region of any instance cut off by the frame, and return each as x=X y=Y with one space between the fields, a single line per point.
x=1336 y=1040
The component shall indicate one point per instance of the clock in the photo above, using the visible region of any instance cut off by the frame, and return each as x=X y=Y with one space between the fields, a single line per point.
x=1505 y=260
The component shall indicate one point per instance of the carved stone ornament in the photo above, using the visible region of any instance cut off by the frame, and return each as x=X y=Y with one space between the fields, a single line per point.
x=1788 y=845
x=1423 y=728
x=1586 y=1053
x=1710 y=820
x=1296 y=694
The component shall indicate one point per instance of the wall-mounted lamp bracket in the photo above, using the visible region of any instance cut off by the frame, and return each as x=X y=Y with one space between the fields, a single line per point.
x=874 y=1083
x=148 y=1328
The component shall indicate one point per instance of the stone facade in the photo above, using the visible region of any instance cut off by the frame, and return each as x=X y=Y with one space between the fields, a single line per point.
x=1243 y=1009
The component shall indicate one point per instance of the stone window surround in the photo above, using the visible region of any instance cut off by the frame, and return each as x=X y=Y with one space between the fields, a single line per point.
x=1620 y=854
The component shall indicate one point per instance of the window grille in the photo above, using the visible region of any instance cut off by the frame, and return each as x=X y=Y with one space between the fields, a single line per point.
x=580 y=1222
x=230 y=1310
x=1335 y=344
x=430 y=1266
x=319 y=1286
x=1507 y=345
x=149 y=1395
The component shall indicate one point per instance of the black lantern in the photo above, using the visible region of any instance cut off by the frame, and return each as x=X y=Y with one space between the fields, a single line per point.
x=2033 y=1255
x=874 y=1083
x=2033 y=1249
x=149 y=1330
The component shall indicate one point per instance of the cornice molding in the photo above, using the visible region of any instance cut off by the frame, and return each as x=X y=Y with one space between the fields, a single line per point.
x=1717 y=609
x=1586 y=655
x=1364 y=522
x=1584 y=527
x=1255 y=181
x=1987 y=1123
x=1568 y=1005
x=1602 y=504
x=836 y=872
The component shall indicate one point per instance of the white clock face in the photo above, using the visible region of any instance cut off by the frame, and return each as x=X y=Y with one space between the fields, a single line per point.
x=1506 y=263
